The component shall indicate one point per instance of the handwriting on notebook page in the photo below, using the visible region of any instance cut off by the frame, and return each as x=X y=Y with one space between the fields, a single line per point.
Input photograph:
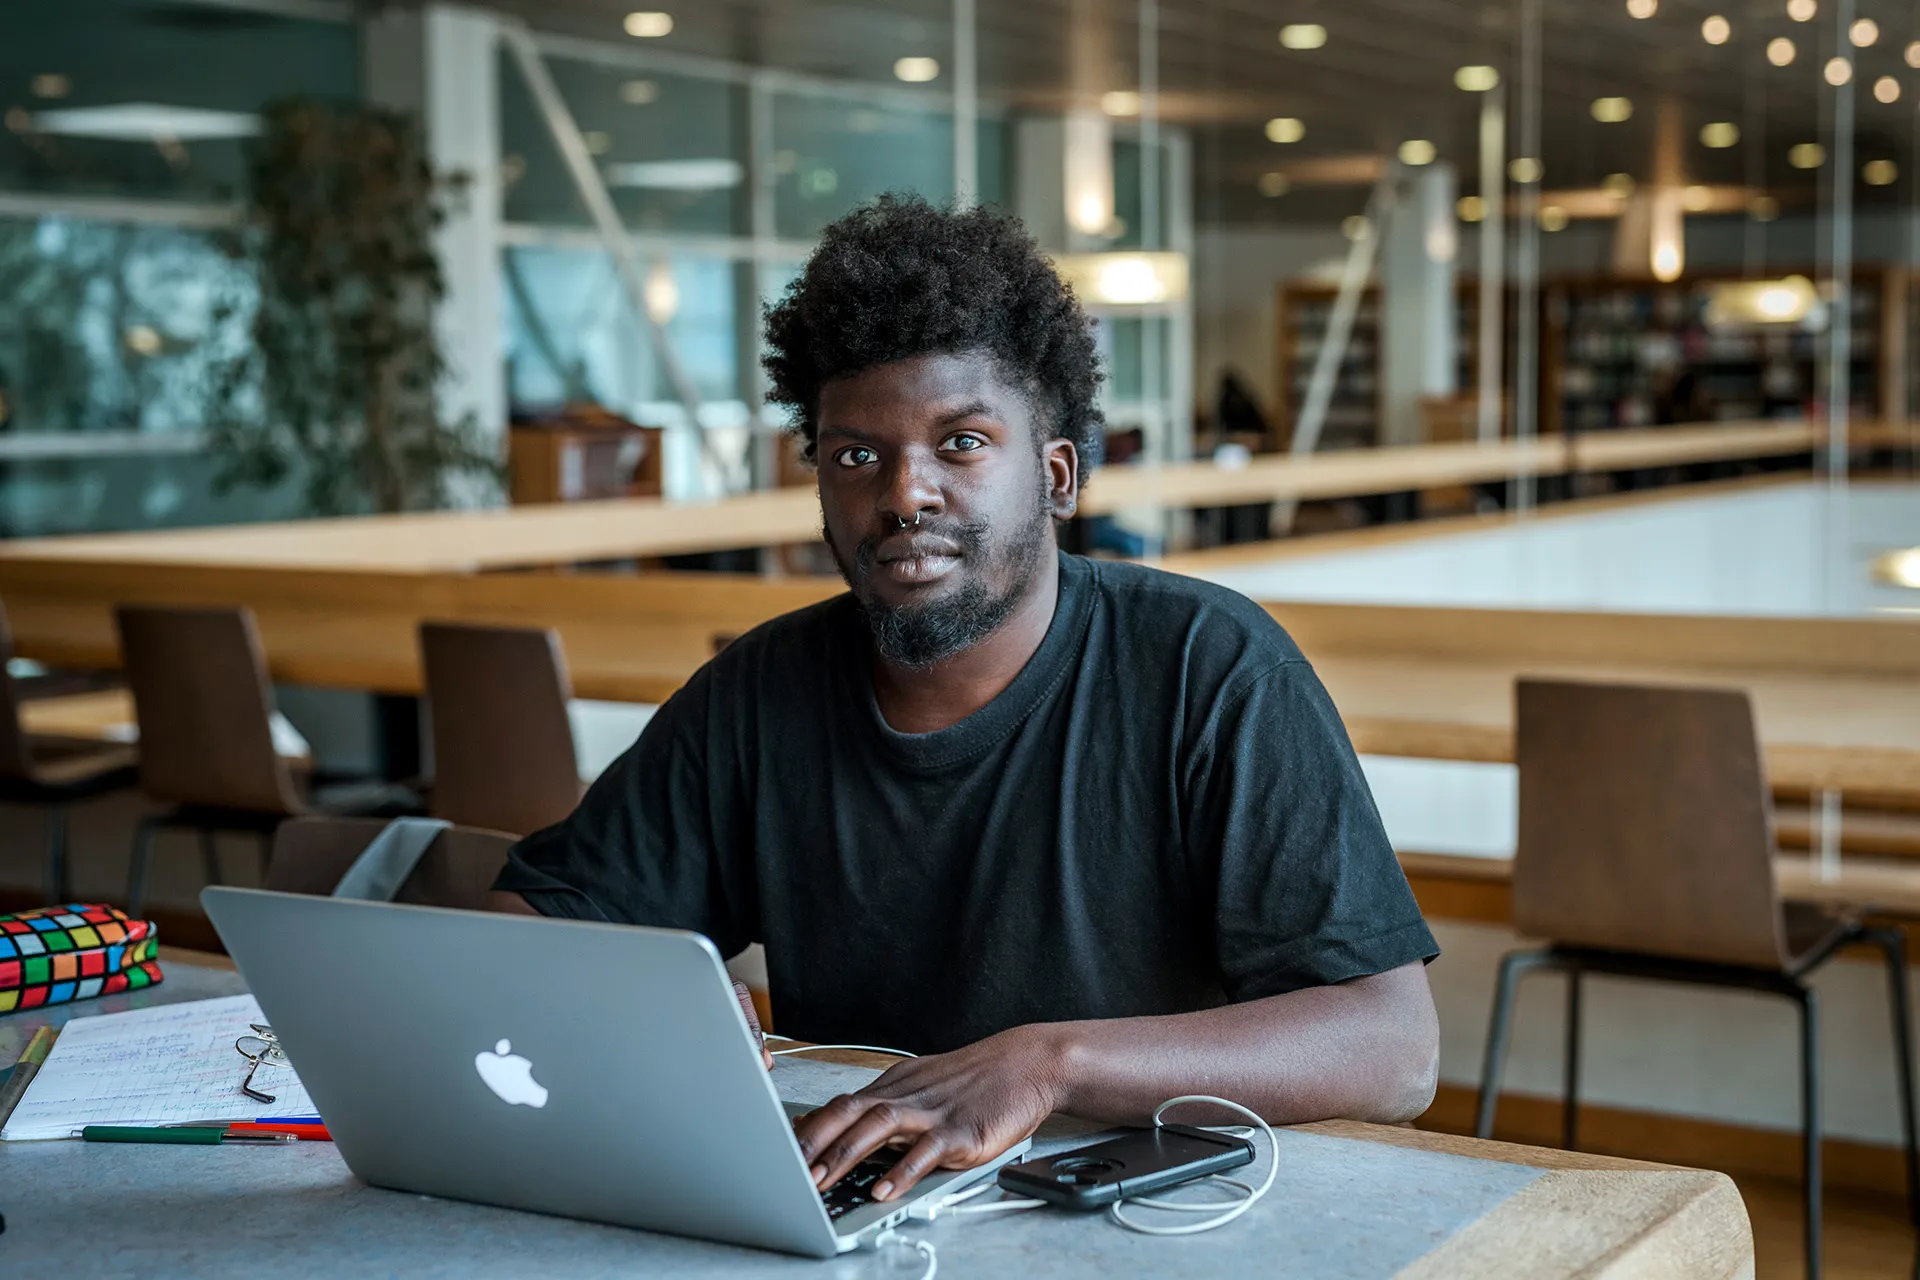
x=162 y=1065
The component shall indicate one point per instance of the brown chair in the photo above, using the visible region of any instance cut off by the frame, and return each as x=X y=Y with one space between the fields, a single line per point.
x=51 y=776
x=204 y=708
x=311 y=854
x=1646 y=850
x=503 y=754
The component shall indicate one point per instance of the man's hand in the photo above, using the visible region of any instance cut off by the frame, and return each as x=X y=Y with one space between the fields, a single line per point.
x=956 y=1110
x=745 y=997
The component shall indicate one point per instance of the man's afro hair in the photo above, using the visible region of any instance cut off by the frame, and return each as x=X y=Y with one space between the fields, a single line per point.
x=899 y=277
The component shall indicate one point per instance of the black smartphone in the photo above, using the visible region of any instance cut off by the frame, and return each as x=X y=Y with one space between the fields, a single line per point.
x=1137 y=1163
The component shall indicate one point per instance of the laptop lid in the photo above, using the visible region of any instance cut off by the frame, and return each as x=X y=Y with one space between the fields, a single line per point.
x=589 y=1070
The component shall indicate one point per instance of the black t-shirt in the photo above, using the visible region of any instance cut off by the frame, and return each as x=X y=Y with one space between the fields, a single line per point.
x=1161 y=813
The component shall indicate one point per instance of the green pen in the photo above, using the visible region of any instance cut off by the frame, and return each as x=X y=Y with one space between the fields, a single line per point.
x=189 y=1135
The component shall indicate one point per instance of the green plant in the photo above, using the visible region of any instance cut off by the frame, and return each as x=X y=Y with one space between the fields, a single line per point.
x=337 y=386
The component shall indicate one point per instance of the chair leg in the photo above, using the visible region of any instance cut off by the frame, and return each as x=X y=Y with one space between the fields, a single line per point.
x=210 y=857
x=1570 y=1104
x=1512 y=966
x=1894 y=943
x=1809 y=1002
x=140 y=863
x=59 y=886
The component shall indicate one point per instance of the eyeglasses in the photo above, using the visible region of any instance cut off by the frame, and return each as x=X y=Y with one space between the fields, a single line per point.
x=261 y=1049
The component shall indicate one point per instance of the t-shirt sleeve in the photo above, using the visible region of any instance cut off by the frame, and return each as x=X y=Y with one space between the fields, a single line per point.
x=1308 y=890
x=648 y=843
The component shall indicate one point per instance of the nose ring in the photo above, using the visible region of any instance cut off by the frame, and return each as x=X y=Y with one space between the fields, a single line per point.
x=916 y=521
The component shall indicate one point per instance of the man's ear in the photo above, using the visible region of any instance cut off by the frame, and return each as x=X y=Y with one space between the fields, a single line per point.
x=1062 y=463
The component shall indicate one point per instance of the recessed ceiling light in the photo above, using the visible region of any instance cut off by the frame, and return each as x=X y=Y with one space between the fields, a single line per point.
x=1696 y=199
x=1879 y=173
x=1716 y=30
x=1839 y=71
x=1524 y=169
x=1611 y=110
x=1120 y=102
x=1780 y=51
x=648 y=24
x=1553 y=218
x=1470 y=208
x=1303 y=35
x=1720 y=134
x=1274 y=185
x=1285 y=129
x=1802 y=10
x=1864 y=33
x=1618 y=185
x=1417 y=151
x=1913 y=54
x=1886 y=89
x=638 y=93
x=1355 y=227
x=1476 y=79
x=145 y=121
x=1643 y=8
x=1807 y=155
x=1764 y=208
x=50 y=84
x=916 y=70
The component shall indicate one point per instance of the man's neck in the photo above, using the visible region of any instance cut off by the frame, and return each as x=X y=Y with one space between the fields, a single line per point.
x=928 y=699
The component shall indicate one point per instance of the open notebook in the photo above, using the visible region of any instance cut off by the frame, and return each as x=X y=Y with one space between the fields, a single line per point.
x=166 y=1065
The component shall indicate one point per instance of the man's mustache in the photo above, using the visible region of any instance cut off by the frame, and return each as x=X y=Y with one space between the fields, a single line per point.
x=943 y=536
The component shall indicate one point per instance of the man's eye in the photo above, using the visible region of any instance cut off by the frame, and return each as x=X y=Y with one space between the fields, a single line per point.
x=855 y=455
x=964 y=442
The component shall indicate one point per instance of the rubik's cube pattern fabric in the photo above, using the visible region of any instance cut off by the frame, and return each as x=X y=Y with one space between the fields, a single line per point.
x=73 y=952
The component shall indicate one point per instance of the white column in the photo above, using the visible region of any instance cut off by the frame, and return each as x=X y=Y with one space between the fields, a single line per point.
x=441 y=61
x=1417 y=320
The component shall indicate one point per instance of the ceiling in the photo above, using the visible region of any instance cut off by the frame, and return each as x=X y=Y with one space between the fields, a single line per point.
x=1384 y=75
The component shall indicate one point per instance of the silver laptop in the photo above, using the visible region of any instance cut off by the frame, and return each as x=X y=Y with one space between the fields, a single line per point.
x=589 y=1070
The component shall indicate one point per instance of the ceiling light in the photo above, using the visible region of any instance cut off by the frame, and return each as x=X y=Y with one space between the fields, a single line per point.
x=1476 y=79
x=1553 y=218
x=638 y=93
x=648 y=24
x=598 y=142
x=1470 y=208
x=660 y=294
x=916 y=70
x=1886 y=89
x=1838 y=71
x=677 y=175
x=1274 y=185
x=143 y=340
x=1879 y=173
x=1720 y=134
x=1735 y=303
x=1524 y=169
x=1303 y=35
x=1716 y=30
x=1285 y=129
x=1617 y=185
x=1417 y=151
x=50 y=84
x=1696 y=199
x=1355 y=227
x=1120 y=102
x=1807 y=155
x=145 y=121
x=1913 y=54
x=1863 y=33
x=1902 y=568
x=1802 y=10
x=1611 y=110
x=1764 y=208
x=1125 y=279
x=1780 y=51
x=1643 y=8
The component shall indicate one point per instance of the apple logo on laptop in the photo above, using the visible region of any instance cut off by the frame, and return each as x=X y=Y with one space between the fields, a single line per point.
x=510 y=1076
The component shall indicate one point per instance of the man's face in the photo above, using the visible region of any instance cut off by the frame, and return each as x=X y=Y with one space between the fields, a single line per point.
x=938 y=498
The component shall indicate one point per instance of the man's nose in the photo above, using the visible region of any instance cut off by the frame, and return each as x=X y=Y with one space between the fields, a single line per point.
x=912 y=490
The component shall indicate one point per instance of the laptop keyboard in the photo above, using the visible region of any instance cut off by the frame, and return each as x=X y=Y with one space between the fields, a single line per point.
x=855 y=1188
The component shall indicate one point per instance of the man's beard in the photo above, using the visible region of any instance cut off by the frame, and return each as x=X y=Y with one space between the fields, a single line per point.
x=918 y=636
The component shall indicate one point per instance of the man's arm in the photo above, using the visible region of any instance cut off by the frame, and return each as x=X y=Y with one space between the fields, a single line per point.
x=1367 y=1049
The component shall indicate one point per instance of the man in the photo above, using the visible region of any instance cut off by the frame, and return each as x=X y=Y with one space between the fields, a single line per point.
x=1087 y=835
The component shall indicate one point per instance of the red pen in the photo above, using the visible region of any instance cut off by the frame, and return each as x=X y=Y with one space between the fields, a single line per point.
x=304 y=1132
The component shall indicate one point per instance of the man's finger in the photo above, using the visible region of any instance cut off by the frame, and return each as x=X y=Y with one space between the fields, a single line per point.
x=817 y=1129
x=921 y=1159
x=878 y=1123
x=745 y=997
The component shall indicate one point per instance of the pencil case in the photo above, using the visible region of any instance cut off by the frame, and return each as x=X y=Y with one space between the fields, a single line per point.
x=73 y=952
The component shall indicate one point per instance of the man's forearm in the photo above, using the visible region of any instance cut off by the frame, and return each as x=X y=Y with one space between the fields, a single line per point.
x=1364 y=1050
x=509 y=903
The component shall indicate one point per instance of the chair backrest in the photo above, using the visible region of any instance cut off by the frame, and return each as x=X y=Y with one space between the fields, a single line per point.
x=199 y=683
x=1645 y=823
x=503 y=753
x=311 y=854
x=16 y=761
